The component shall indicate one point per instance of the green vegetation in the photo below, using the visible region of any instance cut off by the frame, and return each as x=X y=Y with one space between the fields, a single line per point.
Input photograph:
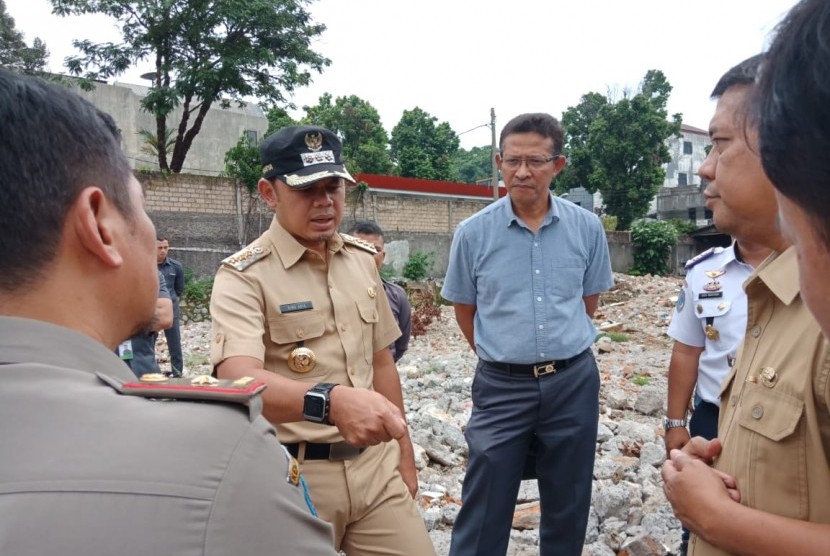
x=641 y=380
x=609 y=223
x=196 y=290
x=423 y=149
x=418 y=265
x=652 y=243
x=613 y=336
x=619 y=147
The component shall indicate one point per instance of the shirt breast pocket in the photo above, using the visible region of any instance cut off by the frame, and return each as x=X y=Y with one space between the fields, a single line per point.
x=287 y=330
x=777 y=452
x=566 y=276
x=368 y=311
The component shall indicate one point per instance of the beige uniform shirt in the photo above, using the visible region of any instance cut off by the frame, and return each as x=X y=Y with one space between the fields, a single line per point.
x=276 y=295
x=774 y=419
x=85 y=470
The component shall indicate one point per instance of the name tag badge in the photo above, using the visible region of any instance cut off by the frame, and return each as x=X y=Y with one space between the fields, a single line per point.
x=125 y=350
x=296 y=307
x=709 y=295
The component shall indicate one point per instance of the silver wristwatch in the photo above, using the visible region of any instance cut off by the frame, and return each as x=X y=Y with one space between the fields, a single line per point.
x=673 y=423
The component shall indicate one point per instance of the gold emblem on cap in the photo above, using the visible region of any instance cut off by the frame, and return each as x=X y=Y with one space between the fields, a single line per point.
x=314 y=140
x=372 y=292
x=768 y=377
x=302 y=360
x=714 y=285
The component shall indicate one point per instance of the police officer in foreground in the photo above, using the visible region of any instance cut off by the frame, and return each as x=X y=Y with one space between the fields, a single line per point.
x=90 y=463
x=303 y=309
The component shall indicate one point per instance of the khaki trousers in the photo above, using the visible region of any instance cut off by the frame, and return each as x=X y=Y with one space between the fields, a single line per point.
x=368 y=505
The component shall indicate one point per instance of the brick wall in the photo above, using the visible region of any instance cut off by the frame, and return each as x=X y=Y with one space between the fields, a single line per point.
x=206 y=219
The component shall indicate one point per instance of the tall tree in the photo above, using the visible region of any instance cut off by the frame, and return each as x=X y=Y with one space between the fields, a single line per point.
x=619 y=147
x=475 y=165
x=423 y=149
x=205 y=52
x=357 y=123
x=14 y=53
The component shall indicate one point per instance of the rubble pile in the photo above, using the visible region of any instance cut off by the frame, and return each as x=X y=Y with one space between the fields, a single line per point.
x=629 y=513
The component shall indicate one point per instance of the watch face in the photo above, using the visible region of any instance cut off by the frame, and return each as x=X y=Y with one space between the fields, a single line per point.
x=314 y=406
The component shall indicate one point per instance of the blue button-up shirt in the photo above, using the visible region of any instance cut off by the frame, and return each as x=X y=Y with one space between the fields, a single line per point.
x=528 y=288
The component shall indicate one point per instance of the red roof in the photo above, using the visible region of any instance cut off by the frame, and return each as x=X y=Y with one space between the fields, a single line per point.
x=395 y=183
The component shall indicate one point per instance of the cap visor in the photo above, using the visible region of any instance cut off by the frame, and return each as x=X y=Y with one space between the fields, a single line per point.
x=297 y=181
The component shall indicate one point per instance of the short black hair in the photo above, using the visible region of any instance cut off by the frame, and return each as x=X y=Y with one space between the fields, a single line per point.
x=53 y=145
x=792 y=106
x=539 y=122
x=744 y=73
x=365 y=227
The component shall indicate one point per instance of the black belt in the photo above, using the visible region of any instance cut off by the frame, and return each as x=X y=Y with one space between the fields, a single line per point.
x=537 y=369
x=337 y=451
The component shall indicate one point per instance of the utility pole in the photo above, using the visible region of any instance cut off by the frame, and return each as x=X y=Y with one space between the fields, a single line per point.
x=495 y=181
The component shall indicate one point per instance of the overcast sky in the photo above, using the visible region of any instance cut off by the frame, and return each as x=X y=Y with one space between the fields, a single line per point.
x=456 y=59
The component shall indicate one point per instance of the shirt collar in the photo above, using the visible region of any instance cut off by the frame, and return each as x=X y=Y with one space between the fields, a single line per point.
x=290 y=250
x=551 y=216
x=780 y=275
x=32 y=341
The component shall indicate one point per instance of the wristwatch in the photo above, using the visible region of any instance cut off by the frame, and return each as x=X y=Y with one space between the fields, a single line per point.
x=673 y=423
x=316 y=403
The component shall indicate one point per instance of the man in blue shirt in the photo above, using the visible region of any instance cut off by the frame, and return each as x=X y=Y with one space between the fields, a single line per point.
x=524 y=277
x=173 y=274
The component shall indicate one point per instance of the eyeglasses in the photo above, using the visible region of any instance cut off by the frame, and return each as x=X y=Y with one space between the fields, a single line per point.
x=534 y=162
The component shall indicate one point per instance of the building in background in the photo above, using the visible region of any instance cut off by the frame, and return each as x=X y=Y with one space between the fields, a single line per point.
x=221 y=128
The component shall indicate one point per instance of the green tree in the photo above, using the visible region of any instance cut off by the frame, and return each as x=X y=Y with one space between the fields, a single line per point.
x=423 y=149
x=619 y=147
x=357 y=123
x=204 y=52
x=15 y=55
x=475 y=165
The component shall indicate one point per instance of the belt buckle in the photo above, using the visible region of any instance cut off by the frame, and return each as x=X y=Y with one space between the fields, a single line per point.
x=542 y=370
x=340 y=451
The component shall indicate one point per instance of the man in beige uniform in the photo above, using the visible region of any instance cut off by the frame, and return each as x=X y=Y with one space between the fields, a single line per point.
x=771 y=454
x=303 y=309
x=89 y=465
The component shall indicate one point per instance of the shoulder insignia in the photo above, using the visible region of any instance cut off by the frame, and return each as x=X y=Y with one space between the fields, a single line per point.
x=246 y=257
x=243 y=390
x=699 y=257
x=357 y=242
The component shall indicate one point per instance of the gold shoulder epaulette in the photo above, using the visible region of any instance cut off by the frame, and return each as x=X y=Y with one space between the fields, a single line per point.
x=357 y=242
x=243 y=390
x=246 y=257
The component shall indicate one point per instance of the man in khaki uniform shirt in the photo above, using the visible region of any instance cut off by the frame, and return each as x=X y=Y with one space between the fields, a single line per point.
x=89 y=462
x=773 y=442
x=303 y=309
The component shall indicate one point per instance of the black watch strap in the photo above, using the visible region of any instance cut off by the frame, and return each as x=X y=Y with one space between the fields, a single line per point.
x=323 y=388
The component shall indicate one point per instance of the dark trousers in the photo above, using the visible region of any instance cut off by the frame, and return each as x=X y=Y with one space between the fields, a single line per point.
x=562 y=410
x=174 y=342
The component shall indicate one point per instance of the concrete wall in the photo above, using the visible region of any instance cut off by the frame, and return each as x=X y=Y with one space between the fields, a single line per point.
x=207 y=219
x=221 y=128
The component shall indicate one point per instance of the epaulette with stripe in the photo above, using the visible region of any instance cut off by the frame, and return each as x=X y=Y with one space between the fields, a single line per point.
x=243 y=390
x=699 y=257
x=357 y=242
x=246 y=257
